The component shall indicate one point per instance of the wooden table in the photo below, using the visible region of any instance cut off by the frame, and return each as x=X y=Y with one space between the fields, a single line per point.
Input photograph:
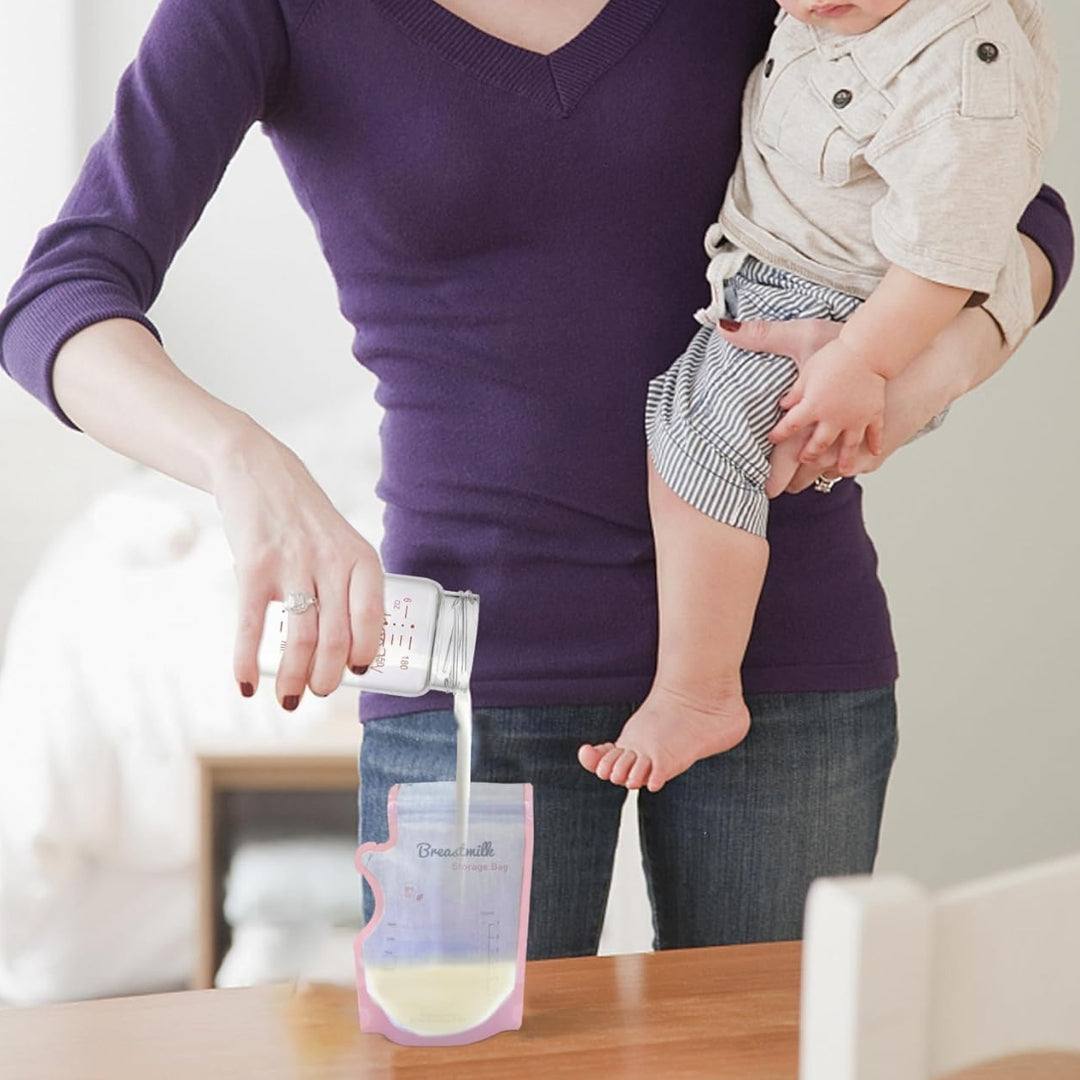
x=702 y=1013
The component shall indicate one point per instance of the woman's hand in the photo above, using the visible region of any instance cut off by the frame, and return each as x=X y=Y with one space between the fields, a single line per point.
x=287 y=537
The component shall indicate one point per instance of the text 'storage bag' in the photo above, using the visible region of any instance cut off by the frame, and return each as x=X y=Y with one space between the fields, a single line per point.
x=442 y=961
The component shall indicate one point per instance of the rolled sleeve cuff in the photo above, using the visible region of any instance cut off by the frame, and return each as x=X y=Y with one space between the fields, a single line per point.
x=1009 y=304
x=36 y=332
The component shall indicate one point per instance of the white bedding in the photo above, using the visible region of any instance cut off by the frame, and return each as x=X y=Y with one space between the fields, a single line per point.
x=117 y=667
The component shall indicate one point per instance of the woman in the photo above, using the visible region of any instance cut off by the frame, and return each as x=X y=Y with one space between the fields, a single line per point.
x=511 y=198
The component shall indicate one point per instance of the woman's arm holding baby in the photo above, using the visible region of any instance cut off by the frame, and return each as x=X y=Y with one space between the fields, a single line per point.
x=966 y=353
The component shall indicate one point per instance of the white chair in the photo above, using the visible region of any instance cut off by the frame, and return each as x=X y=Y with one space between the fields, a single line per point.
x=899 y=984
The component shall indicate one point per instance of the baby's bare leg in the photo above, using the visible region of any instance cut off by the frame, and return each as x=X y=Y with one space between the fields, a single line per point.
x=709 y=577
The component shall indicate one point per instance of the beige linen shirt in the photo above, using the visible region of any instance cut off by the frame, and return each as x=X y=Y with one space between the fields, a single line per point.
x=917 y=143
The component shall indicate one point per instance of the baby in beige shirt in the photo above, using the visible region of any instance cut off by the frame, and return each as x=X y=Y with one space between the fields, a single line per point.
x=889 y=148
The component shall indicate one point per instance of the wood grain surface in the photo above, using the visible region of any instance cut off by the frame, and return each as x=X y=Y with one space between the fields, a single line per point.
x=703 y=1013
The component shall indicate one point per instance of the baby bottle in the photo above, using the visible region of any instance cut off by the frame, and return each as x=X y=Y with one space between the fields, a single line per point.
x=427 y=640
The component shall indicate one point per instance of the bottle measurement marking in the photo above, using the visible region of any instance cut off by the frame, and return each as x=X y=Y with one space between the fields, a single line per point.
x=399 y=638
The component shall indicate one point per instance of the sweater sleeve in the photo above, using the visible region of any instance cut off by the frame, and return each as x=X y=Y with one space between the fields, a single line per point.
x=1046 y=221
x=205 y=71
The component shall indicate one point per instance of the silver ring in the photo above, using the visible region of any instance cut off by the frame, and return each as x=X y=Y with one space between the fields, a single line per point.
x=825 y=484
x=296 y=603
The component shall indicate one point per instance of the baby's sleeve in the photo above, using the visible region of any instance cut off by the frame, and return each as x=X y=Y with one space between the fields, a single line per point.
x=956 y=191
x=959 y=176
x=205 y=72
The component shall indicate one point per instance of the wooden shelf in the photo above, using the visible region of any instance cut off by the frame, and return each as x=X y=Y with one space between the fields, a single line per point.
x=323 y=764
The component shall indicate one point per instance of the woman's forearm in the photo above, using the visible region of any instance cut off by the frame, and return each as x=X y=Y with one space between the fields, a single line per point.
x=966 y=353
x=115 y=381
x=991 y=354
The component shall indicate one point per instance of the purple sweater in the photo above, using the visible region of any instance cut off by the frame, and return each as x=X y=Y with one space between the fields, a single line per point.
x=516 y=240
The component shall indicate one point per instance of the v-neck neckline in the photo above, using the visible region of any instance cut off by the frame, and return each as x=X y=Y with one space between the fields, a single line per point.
x=555 y=81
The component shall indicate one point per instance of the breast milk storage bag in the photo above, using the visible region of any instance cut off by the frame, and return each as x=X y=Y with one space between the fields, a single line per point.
x=442 y=961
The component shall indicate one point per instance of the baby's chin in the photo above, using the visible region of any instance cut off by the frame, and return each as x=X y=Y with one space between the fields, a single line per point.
x=845 y=19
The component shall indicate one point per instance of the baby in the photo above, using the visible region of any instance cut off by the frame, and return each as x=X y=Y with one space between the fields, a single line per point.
x=889 y=148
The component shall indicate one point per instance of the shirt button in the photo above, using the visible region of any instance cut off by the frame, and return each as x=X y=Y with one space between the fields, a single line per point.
x=768 y=67
x=842 y=98
x=987 y=52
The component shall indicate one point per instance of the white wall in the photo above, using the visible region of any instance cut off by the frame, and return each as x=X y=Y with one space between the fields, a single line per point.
x=976 y=527
x=45 y=473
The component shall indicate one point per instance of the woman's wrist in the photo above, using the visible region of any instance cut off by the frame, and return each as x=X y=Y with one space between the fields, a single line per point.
x=240 y=445
x=973 y=344
x=973 y=350
x=115 y=381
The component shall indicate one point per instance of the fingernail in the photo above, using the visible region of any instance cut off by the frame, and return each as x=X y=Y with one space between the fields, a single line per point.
x=291 y=702
x=730 y=325
x=358 y=670
x=247 y=689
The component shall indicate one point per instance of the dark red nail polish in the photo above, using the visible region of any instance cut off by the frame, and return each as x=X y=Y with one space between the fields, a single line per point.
x=358 y=670
x=730 y=325
x=247 y=689
x=291 y=702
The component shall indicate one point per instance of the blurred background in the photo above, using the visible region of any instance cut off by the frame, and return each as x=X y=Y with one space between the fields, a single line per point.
x=107 y=816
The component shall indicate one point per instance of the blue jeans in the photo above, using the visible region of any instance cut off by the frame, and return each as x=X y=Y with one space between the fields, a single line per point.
x=729 y=847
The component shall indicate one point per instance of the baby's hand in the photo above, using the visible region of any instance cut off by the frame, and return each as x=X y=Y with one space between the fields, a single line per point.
x=841 y=398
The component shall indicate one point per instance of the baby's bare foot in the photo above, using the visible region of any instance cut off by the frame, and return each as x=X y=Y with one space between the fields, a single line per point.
x=665 y=737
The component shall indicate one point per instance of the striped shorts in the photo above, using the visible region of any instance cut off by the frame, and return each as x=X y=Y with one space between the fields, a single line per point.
x=708 y=417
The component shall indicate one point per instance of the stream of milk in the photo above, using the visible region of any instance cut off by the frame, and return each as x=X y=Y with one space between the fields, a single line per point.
x=463 y=714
